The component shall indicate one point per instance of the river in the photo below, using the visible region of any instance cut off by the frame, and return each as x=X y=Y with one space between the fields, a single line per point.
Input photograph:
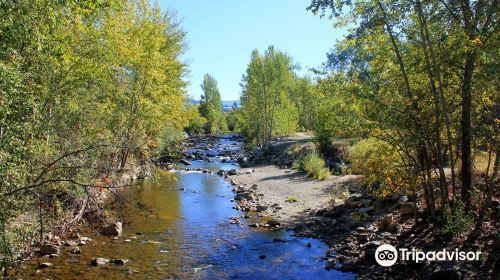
x=182 y=231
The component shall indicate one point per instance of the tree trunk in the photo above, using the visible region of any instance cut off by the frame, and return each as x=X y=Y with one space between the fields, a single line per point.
x=466 y=155
x=437 y=110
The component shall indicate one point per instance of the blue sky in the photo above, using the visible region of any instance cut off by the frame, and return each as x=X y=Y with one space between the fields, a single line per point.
x=221 y=35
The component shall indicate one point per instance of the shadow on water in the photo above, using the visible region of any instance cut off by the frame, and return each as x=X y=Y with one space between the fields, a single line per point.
x=186 y=235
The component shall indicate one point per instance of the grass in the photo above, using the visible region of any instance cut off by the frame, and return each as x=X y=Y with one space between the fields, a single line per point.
x=314 y=165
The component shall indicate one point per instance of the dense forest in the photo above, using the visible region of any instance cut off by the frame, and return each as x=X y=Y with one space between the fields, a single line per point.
x=89 y=90
x=93 y=90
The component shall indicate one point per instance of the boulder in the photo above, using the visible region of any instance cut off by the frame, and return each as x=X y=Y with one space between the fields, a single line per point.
x=114 y=229
x=48 y=249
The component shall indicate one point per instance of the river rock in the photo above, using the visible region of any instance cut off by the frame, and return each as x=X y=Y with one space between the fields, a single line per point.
x=114 y=229
x=45 y=265
x=273 y=223
x=243 y=196
x=75 y=250
x=387 y=220
x=261 y=208
x=71 y=243
x=99 y=261
x=120 y=261
x=48 y=249
x=407 y=208
x=184 y=161
x=232 y=172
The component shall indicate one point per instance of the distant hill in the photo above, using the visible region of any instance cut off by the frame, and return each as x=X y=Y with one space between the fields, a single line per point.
x=227 y=105
x=230 y=103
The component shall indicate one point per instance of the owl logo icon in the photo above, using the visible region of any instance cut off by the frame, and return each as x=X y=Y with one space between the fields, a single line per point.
x=386 y=255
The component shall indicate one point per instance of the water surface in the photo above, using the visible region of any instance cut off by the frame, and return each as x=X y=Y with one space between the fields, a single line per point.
x=182 y=231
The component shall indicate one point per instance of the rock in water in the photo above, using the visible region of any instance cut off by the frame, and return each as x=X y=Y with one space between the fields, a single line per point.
x=273 y=223
x=186 y=162
x=114 y=229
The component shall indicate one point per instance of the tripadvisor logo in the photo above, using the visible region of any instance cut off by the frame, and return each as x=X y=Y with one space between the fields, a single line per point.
x=387 y=255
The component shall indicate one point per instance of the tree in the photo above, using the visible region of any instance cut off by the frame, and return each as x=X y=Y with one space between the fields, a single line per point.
x=266 y=106
x=403 y=61
x=211 y=106
x=88 y=89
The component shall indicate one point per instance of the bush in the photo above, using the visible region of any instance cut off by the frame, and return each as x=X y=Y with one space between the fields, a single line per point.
x=314 y=165
x=382 y=167
x=455 y=221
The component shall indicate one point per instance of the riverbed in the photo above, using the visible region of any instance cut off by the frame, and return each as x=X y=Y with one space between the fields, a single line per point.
x=178 y=227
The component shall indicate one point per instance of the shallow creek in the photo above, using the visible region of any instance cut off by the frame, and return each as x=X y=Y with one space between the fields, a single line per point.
x=183 y=232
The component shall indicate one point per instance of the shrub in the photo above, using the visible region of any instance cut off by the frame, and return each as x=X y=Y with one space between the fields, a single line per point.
x=455 y=221
x=292 y=199
x=381 y=166
x=314 y=165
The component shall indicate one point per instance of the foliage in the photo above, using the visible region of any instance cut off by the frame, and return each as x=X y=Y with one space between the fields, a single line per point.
x=233 y=120
x=456 y=220
x=292 y=199
x=196 y=123
x=420 y=76
x=266 y=107
x=381 y=166
x=314 y=165
x=302 y=96
x=211 y=106
x=88 y=89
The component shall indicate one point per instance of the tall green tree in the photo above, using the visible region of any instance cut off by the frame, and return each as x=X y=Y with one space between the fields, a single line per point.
x=211 y=106
x=267 y=109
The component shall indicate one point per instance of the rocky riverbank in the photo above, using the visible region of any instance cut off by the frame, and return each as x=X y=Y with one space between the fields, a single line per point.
x=342 y=213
